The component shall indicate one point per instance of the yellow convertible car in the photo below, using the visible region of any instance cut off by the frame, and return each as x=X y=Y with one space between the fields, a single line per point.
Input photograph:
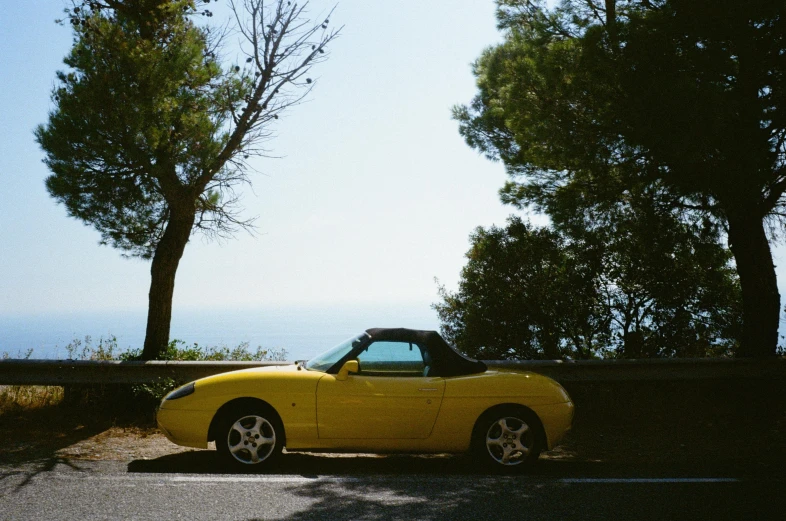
x=386 y=390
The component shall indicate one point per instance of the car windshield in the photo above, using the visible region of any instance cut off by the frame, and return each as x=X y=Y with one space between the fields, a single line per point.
x=326 y=360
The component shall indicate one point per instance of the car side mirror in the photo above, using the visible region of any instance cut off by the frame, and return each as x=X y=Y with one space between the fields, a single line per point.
x=350 y=366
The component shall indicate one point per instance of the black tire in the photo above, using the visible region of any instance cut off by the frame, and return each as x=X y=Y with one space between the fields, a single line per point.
x=507 y=439
x=249 y=438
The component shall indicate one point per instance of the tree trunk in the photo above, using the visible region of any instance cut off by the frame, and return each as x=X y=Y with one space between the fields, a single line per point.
x=760 y=298
x=162 y=281
x=611 y=21
x=549 y=340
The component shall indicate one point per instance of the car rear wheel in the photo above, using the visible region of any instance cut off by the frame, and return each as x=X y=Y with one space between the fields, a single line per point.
x=508 y=439
x=247 y=438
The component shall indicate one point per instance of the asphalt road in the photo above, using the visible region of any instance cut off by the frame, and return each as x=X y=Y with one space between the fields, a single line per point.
x=303 y=487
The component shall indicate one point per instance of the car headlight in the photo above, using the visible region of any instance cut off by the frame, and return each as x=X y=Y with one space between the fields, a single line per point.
x=180 y=392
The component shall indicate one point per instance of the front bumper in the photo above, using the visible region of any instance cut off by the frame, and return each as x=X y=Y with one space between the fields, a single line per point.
x=185 y=427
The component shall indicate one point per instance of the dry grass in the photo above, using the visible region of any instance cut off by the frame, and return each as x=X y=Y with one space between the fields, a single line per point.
x=18 y=398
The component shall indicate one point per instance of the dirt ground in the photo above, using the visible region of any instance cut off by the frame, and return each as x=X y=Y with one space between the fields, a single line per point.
x=56 y=432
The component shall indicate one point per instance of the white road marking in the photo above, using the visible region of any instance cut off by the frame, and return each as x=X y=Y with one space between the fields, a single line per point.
x=649 y=480
x=365 y=479
x=265 y=479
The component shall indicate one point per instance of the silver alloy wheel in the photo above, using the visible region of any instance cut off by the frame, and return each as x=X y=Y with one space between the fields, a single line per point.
x=251 y=439
x=510 y=440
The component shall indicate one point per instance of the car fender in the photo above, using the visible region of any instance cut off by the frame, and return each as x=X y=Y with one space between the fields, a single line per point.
x=289 y=390
x=466 y=398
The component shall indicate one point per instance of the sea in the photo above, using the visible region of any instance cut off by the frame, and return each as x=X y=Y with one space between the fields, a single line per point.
x=302 y=331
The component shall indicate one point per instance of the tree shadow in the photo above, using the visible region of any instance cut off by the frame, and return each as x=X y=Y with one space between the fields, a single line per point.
x=37 y=435
x=32 y=439
x=397 y=465
x=406 y=499
x=33 y=468
x=440 y=487
x=524 y=497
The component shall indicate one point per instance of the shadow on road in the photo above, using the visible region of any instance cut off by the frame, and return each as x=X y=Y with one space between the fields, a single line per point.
x=523 y=499
x=321 y=465
x=450 y=487
x=207 y=462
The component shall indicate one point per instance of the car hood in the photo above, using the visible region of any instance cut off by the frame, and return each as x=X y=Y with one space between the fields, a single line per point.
x=272 y=371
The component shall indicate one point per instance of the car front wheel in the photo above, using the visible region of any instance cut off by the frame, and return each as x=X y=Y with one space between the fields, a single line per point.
x=507 y=439
x=249 y=438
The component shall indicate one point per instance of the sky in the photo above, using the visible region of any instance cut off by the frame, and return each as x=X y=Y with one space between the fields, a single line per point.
x=372 y=195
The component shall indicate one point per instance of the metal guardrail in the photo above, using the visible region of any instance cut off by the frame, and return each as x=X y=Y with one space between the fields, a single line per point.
x=82 y=372
x=651 y=369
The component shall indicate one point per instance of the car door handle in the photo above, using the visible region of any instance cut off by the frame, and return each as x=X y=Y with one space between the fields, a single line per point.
x=427 y=389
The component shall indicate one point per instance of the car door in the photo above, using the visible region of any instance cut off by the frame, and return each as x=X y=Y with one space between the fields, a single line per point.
x=389 y=398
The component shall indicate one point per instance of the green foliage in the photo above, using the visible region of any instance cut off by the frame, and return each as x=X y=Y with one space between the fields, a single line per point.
x=148 y=121
x=677 y=95
x=136 y=115
x=666 y=283
x=640 y=284
x=150 y=132
x=524 y=293
x=181 y=351
x=592 y=105
x=149 y=395
x=21 y=355
x=106 y=349
x=178 y=350
x=140 y=398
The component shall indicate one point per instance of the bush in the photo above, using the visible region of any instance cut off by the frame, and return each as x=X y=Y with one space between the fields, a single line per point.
x=134 y=399
x=180 y=351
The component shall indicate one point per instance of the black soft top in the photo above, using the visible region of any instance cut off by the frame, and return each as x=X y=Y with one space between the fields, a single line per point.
x=444 y=359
